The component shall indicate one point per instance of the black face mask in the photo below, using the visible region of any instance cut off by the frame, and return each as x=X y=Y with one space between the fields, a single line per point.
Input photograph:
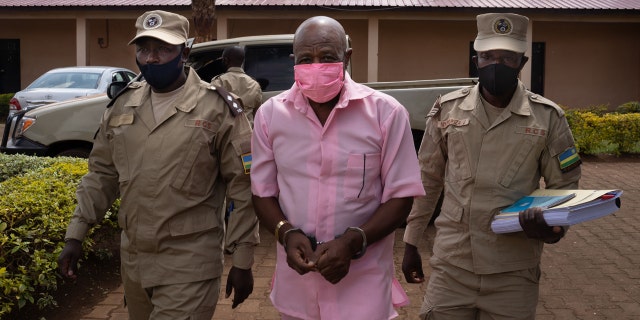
x=498 y=79
x=160 y=76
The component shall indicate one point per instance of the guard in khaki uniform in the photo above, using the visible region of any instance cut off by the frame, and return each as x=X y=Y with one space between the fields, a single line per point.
x=487 y=146
x=171 y=148
x=238 y=82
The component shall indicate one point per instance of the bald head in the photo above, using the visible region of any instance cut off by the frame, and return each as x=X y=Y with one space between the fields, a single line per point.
x=233 y=56
x=318 y=34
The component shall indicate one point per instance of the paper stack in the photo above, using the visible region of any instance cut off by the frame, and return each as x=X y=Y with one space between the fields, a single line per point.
x=560 y=207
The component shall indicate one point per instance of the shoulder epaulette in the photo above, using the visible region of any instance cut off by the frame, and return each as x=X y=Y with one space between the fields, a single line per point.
x=544 y=101
x=456 y=94
x=234 y=105
x=435 y=108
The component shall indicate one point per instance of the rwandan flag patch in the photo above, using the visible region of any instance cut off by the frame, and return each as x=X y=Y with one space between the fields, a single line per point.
x=246 y=162
x=569 y=159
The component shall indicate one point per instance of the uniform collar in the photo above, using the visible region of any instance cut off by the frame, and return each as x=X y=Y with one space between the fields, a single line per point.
x=235 y=69
x=519 y=103
x=185 y=102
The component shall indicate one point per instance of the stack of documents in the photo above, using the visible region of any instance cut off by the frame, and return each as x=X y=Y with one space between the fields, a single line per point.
x=560 y=207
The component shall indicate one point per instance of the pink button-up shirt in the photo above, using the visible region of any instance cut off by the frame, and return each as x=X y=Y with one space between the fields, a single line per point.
x=331 y=177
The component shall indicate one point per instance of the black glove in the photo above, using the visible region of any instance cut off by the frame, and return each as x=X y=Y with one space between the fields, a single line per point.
x=535 y=227
x=241 y=281
x=68 y=259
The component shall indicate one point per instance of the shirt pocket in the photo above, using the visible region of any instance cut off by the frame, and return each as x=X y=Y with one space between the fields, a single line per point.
x=362 y=180
x=196 y=176
x=458 y=167
x=522 y=162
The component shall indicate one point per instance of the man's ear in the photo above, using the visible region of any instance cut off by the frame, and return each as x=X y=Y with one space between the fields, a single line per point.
x=347 y=57
x=185 y=53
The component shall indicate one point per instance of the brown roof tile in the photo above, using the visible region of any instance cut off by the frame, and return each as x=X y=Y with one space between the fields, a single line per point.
x=516 y=4
x=512 y=4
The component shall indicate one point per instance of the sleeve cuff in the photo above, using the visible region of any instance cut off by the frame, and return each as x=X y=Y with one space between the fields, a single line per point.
x=76 y=230
x=411 y=237
x=243 y=257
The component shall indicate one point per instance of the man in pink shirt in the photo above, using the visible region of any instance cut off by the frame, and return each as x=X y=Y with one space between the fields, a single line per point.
x=334 y=174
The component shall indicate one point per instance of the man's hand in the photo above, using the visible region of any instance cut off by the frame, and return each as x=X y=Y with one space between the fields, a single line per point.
x=333 y=260
x=241 y=282
x=68 y=258
x=412 y=264
x=535 y=227
x=300 y=256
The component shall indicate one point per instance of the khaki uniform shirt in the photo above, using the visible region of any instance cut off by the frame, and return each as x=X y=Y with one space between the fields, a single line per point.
x=172 y=177
x=483 y=168
x=245 y=87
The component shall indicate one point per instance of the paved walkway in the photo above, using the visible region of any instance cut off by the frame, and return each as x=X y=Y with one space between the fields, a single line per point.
x=593 y=273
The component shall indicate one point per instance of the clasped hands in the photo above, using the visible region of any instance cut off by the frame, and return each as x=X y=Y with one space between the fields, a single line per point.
x=331 y=259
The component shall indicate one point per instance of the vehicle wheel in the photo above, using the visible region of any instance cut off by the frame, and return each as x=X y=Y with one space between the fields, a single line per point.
x=75 y=152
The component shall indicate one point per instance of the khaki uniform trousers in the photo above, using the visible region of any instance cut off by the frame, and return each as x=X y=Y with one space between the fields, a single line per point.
x=181 y=301
x=457 y=294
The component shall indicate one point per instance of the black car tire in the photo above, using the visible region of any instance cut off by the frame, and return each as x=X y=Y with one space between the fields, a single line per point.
x=74 y=152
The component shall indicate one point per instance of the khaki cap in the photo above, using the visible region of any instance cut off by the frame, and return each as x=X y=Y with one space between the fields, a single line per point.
x=166 y=26
x=501 y=31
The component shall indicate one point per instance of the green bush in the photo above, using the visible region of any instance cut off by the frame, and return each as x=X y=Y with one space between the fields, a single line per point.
x=35 y=208
x=629 y=107
x=13 y=165
x=609 y=133
x=4 y=106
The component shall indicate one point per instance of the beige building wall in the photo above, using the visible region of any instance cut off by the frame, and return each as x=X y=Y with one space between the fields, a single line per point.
x=588 y=64
x=415 y=50
x=590 y=60
x=44 y=44
x=115 y=34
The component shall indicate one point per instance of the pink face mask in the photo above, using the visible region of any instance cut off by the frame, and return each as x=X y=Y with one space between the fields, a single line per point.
x=319 y=82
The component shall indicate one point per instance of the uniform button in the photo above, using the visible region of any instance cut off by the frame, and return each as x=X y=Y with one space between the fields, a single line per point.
x=535 y=96
x=465 y=90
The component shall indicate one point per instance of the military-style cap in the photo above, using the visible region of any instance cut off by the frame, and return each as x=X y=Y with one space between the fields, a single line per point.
x=166 y=26
x=501 y=31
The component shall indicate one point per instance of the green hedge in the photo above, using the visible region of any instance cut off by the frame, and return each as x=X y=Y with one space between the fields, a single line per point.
x=36 y=204
x=597 y=131
x=4 y=106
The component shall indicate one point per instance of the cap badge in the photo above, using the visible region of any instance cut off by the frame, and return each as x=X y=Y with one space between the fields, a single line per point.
x=152 y=21
x=502 y=26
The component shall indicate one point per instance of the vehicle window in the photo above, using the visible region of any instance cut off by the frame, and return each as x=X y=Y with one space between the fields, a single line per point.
x=207 y=64
x=131 y=76
x=122 y=76
x=270 y=65
x=67 y=80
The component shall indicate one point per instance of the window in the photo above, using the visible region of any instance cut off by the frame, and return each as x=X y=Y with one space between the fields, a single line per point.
x=270 y=65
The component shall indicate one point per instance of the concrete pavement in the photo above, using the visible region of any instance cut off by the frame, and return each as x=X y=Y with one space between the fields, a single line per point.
x=593 y=273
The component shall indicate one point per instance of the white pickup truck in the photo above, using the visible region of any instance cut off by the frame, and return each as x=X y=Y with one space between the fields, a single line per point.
x=67 y=128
